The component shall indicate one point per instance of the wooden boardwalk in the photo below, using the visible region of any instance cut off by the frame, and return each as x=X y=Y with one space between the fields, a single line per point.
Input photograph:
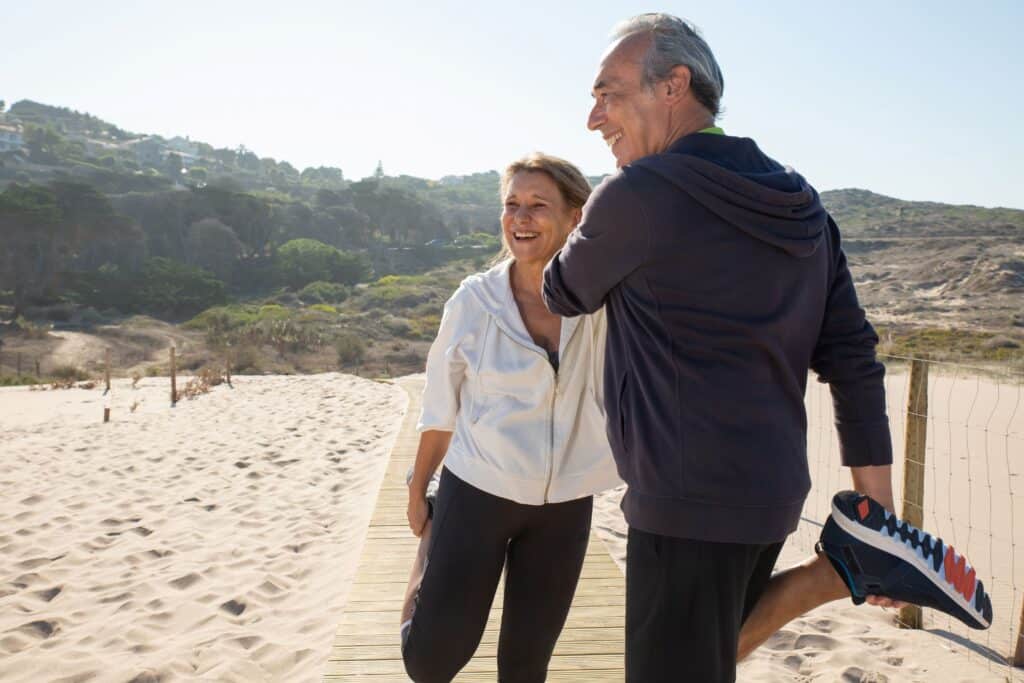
x=367 y=645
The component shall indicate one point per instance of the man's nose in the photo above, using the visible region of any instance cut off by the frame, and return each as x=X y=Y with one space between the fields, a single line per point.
x=596 y=118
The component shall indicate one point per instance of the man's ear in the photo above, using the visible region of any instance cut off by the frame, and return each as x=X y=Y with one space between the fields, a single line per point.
x=677 y=84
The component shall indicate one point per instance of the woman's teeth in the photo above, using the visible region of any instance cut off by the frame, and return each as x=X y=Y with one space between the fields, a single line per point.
x=525 y=235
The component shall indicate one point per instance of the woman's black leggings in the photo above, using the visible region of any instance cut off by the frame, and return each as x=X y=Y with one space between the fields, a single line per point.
x=474 y=535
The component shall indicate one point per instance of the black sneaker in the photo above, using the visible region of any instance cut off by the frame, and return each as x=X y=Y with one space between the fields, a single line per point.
x=878 y=554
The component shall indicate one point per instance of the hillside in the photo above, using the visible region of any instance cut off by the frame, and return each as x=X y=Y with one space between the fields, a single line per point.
x=303 y=270
x=925 y=264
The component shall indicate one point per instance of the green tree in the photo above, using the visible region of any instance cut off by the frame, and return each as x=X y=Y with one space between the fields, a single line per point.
x=174 y=166
x=302 y=261
x=31 y=248
x=213 y=246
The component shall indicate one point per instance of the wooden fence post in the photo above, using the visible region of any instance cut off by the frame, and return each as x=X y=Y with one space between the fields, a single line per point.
x=227 y=369
x=913 y=465
x=106 y=369
x=39 y=374
x=174 y=378
x=1018 y=655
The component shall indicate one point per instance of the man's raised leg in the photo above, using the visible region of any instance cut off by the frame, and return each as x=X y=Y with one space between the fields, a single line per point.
x=790 y=593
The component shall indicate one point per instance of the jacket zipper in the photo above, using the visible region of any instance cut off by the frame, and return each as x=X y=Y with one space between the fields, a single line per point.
x=551 y=436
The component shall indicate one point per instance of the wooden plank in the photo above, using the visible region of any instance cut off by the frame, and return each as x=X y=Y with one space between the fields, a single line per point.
x=367 y=643
x=580 y=663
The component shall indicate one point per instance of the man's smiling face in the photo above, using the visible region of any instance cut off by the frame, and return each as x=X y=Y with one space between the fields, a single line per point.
x=630 y=116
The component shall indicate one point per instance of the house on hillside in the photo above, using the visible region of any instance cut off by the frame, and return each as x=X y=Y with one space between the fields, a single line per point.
x=183 y=146
x=11 y=138
x=149 y=151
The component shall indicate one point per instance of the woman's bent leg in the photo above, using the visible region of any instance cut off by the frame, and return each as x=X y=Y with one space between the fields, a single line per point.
x=467 y=552
x=543 y=568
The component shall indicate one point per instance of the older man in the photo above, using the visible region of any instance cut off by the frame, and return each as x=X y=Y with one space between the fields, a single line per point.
x=724 y=283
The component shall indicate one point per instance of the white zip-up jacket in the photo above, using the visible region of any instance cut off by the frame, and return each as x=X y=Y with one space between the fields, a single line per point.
x=521 y=431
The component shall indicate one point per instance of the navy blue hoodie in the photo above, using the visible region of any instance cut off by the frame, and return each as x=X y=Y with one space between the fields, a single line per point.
x=724 y=283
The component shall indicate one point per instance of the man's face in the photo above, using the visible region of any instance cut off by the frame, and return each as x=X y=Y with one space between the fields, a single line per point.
x=632 y=119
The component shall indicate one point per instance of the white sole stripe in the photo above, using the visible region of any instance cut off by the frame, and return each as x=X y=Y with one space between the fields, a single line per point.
x=905 y=553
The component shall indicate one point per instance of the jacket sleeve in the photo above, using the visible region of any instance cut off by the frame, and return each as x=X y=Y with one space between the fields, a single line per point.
x=844 y=357
x=610 y=243
x=446 y=370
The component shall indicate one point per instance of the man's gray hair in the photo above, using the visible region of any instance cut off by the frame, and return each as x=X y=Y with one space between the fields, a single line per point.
x=677 y=42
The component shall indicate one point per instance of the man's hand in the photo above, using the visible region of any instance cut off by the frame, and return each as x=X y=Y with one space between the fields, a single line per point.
x=417 y=513
x=876 y=482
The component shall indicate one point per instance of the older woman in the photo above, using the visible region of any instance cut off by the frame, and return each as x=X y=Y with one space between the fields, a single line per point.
x=512 y=406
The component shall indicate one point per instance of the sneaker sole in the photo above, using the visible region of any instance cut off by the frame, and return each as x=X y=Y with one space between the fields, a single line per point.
x=869 y=537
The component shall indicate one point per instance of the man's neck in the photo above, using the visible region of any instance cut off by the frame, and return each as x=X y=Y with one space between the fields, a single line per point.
x=689 y=122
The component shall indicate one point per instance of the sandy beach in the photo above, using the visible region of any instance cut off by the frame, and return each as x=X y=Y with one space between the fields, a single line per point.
x=212 y=541
x=217 y=540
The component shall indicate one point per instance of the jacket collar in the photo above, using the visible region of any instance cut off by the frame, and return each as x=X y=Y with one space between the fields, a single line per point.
x=493 y=289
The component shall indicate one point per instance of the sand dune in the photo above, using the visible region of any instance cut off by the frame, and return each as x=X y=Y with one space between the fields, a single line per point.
x=212 y=541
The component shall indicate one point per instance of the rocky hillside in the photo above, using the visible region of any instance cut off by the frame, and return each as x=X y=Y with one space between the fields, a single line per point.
x=925 y=264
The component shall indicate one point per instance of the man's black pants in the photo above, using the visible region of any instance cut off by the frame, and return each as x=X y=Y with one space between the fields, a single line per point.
x=686 y=601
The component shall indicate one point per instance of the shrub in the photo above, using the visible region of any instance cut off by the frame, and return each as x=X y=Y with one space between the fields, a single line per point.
x=303 y=261
x=351 y=349
x=90 y=317
x=32 y=330
x=324 y=308
x=321 y=292
x=161 y=286
x=68 y=373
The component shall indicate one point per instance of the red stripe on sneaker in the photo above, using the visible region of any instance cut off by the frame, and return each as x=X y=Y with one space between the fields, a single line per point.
x=968 y=585
x=863 y=509
x=953 y=568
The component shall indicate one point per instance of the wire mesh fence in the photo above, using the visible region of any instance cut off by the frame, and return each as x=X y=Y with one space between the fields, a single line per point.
x=973 y=467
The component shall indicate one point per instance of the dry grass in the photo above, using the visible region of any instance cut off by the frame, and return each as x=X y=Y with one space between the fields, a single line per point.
x=204 y=380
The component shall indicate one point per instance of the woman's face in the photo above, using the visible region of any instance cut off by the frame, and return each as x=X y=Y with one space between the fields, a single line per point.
x=535 y=219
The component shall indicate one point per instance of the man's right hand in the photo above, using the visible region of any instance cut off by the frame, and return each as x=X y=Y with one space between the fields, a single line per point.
x=417 y=513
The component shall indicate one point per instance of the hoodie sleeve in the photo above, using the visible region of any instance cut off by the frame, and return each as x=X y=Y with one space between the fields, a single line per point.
x=844 y=357
x=445 y=370
x=609 y=244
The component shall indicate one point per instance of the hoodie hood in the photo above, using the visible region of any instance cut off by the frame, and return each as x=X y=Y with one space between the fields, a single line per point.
x=733 y=179
x=492 y=289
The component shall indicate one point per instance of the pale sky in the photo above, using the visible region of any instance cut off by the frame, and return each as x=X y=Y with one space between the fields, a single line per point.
x=917 y=100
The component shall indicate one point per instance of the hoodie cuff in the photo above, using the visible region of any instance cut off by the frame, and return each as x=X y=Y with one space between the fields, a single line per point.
x=863 y=444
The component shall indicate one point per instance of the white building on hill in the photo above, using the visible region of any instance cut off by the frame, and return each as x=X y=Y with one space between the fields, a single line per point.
x=11 y=139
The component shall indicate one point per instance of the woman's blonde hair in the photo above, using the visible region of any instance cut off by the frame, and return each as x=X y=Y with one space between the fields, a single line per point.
x=569 y=180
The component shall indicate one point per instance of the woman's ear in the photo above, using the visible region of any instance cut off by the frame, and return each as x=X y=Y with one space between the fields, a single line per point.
x=577 y=216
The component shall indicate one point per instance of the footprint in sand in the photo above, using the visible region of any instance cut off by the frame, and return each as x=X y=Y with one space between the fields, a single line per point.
x=855 y=674
x=818 y=642
x=235 y=607
x=49 y=594
x=184 y=582
x=41 y=629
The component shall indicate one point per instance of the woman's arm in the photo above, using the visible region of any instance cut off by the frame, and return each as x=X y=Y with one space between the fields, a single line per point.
x=433 y=446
